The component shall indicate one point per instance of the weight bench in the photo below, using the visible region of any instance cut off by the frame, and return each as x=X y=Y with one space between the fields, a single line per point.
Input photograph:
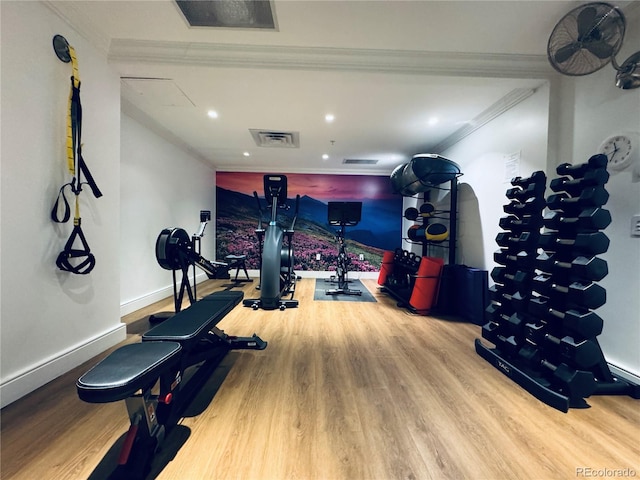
x=149 y=375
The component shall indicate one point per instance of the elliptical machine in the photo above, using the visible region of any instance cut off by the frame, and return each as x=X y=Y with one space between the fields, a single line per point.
x=277 y=278
x=343 y=214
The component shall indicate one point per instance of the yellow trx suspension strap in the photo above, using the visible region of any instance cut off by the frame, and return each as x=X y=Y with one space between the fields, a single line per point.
x=84 y=261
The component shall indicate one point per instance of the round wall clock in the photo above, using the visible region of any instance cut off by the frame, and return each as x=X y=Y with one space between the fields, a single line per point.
x=622 y=150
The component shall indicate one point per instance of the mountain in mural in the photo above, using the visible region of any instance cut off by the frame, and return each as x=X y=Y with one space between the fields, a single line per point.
x=237 y=219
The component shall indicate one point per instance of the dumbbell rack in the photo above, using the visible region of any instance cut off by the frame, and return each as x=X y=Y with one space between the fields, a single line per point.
x=519 y=244
x=541 y=319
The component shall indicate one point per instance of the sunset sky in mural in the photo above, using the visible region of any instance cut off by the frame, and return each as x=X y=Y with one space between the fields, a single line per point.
x=318 y=186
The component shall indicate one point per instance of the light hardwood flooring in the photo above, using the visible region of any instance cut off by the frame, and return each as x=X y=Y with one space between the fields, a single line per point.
x=345 y=390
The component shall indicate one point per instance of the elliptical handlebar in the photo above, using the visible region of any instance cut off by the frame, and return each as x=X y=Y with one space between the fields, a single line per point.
x=295 y=215
x=260 y=213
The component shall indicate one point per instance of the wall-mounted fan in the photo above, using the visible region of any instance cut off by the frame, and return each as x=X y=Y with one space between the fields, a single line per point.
x=589 y=37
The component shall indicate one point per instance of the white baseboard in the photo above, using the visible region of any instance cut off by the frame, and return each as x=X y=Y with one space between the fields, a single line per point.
x=28 y=380
x=624 y=374
x=146 y=300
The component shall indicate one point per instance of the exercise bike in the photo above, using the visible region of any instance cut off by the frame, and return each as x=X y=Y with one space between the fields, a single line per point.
x=277 y=278
x=343 y=214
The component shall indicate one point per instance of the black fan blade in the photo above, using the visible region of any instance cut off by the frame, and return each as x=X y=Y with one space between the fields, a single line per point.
x=586 y=21
x=600 y=49
x=565 y=53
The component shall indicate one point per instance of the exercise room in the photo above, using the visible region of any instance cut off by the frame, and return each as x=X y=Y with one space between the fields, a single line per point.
x=324 y=240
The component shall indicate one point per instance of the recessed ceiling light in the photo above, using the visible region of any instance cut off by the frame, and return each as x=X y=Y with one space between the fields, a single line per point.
x=325 y=156
x=212 y=114
x=329 y=117
x=433 y=121
x=246 y=154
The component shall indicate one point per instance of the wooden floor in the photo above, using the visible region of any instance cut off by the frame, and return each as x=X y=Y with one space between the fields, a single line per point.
x=343 y=391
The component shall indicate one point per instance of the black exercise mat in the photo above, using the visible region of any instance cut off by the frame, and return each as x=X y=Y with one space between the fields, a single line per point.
x=323 y=285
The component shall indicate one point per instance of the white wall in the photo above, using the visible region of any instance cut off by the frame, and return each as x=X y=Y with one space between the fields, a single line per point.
x=53 y=320
x=600 y=110
x=162 y=186
x=482 y=157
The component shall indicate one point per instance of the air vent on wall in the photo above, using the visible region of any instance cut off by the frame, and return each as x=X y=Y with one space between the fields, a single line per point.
x=275 y=139
x=358 y=161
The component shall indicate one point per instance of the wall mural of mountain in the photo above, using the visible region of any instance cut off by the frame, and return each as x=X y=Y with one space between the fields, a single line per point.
x=379 y=229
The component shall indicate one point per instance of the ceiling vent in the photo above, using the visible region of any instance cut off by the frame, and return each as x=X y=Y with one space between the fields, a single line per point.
x=275 y=139
x=358 y=161
x=228 y=13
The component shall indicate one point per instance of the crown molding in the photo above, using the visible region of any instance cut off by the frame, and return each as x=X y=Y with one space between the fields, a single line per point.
x=376 y=172
x=503 y=105
x=120 y=50
x=322 y=58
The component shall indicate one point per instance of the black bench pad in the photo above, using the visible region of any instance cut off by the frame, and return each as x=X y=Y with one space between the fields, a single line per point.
x=232 y=295
x=127 y=370
x=187 y=326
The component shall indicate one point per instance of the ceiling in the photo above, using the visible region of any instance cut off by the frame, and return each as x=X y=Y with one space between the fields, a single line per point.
x=400 y=77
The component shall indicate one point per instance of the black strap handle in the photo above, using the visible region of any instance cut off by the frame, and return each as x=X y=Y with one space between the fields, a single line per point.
x=69 y=253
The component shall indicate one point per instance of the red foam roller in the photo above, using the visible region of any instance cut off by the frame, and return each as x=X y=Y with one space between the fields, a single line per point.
x=386 y=268
x=426 y=286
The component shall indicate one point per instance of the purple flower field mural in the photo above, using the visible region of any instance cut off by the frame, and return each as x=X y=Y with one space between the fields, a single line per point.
x=379 y=229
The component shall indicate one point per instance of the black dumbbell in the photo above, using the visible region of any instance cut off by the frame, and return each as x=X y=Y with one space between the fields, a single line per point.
x=531 y=206
x=492 y=311
x=575 y=384
x=581 y=322
x=521 y=260
x=598 y=161
x=517 y=225
x=509 y=298
x=502 y=293
x=592 y=268
x=589 y=295
x=531 y=190
x=509 y=324
x=589 y=197
x=520 y=278
x=589 y=243
x=531 y=353
x=508 y=345
x=573 y=187
x=583 y=353
x=495 y=313
x=524 y=241
x=594 y=218
x=537 y=177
